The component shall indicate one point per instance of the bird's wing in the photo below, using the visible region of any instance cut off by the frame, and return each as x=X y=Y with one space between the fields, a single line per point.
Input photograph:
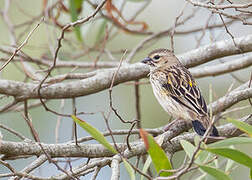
x=182 y=88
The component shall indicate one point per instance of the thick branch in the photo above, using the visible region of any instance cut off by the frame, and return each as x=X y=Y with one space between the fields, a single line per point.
x=97 y=150
x=227 y=130
x=219 y=69
x=102 y=78
x=221 y=6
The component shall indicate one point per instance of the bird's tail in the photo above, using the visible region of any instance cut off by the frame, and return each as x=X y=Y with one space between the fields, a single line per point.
x=200 y=129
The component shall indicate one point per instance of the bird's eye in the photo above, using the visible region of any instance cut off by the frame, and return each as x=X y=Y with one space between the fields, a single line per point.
x=156 y=57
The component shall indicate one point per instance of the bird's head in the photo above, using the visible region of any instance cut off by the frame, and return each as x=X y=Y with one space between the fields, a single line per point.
x=160 y=58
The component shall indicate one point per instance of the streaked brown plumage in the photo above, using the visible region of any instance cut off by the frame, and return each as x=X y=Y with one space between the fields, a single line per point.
x=176 y=90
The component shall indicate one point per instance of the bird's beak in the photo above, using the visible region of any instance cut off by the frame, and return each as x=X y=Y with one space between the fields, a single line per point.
x=146 y=60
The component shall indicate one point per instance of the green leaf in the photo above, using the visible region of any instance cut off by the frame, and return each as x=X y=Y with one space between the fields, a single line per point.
x=188 y=147
x=233 y=154
x=242 y=126
x=200 y=157
x=196 y=140
x=250 y=173
x=231 y=141
x=94 y=133
x=201 y=177
x=129 y=169
x=158 y=156
x=146 y=166
x=204 y=156
x=159 y=140
x=75 y=7
x=218 y=174
x=229 y=163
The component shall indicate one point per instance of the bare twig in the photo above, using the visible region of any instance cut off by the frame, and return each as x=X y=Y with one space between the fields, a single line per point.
x=13 y=132
x=175 y=25
x=29 y=123
x=22 y=45
x=65 y=28
x=137 y=105
x=110 y=92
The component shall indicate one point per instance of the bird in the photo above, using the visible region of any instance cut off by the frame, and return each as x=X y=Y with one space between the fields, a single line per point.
x=176 y=90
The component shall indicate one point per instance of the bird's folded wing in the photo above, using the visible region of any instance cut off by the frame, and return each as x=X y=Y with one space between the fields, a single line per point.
x=182 y=88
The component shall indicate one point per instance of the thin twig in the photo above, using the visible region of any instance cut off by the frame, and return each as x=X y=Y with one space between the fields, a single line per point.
x=13 y=132
x=22 y=45
x=175 y=25
x=29 y=123
x=74 y=128
x=110 y=92
x=137 y=105
x=65 y=28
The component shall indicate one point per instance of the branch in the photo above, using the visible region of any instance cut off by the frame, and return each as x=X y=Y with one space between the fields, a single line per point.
x=35 y=164
x=115 y=168
x=21 y=46
x=221 y=6
x=216 y=50
x=227 y=130
x=223 y=68
x=13 y=149
x=230 y=99
x=102 y=78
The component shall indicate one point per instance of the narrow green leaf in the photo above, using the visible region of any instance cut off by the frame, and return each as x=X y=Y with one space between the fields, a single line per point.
x=204 y=156
x=75 y=7
x=196 y=140
x=242 y=126
x=94 y=133
x=159 y=140
x=250 y=173
x=233 y=154
x=200 y=157
x=129 y=169
x=201 y=177
x=231 y=141
x=216 y=173
x=78 y=4
x=229 y=163
x=188 y=147
x=146 y=166
x=216 y=163
x=158 y=156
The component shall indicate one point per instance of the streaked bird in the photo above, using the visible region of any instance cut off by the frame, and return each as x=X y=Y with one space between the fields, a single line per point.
x=176 y=90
